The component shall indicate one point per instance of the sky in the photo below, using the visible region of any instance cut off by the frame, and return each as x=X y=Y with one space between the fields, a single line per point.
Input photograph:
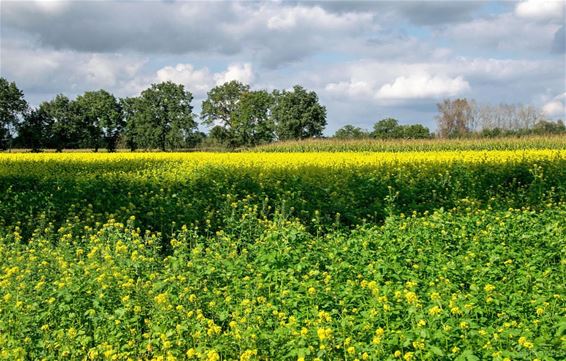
x=365 y=60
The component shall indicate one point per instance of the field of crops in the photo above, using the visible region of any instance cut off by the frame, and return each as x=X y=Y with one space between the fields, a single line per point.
x=436 y=255
x=416 y=145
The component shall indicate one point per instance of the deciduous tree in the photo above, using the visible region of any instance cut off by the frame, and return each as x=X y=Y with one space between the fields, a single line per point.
x=297 y=114
x=12 y=107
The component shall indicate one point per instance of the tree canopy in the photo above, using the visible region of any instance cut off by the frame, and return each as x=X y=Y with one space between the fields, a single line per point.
x=297 y=114
x=12 y=106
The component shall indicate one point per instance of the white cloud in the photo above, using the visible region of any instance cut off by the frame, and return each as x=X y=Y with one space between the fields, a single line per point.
x=503 y=33
x=290 y=17
x=198 y=81
x=556 y=107
x=420 y=86
x=48 y=70
x=354 y=89
x=543 y=10
x=240 y=72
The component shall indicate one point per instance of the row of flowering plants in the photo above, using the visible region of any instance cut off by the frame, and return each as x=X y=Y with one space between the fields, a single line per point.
x=471 y=284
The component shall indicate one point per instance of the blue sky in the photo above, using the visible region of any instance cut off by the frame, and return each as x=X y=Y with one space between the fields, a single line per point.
x=365 y=60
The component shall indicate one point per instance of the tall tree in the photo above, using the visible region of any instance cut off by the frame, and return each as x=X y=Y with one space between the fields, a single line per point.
x=64 y=125
x=33 y=131
x=222 y=102
x=244 y=116
x=129 y=108
x=101 y=116
x=455 y=118
x=252 y=123
x=298 y=114
x=12 y=107
x=163 y=117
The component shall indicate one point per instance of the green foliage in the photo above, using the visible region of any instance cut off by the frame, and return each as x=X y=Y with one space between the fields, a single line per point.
x=549 y=127
x=33 y=131
x=297 y=114
x=101 y=115
x=351 y=132
x=461 y=285
x=252 y=123
x=65 y=126
x=387 y=129
x=131 y=131
x=415 y=131
x=222 y=103
x=162 y=118
x=12 y=107
x=241 y=117
x=390 y=129
x=165 y=193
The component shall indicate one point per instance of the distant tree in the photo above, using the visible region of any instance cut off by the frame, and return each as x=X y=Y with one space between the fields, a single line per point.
x=101 y=115
x=297 y=114
x=387 y=128
x=243 y=115
x=549 y=127
x=351 y=132
x=33 y=131
x=506 y=117
x=415 y=131
x=162 y=117
x=64 y=125
x=221 y=104
x=455 y=118
x=129 y=113
x=252 y=123
x=12 y=107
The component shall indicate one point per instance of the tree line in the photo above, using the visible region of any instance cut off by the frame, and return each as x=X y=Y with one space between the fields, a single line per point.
x=461 y=118
x=464 y=117
x=161 y=117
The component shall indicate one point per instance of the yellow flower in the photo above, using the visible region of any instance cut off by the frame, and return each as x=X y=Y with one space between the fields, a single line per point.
x=324 y=333
x=525 y=343
x=489 y=288
x=212 y=355
x=408 y=356
x=411 y=297
x=161 y=298
x=72 y=332
x=435 y=310
x=191 y=353
x=92 y=354
x=247 y=355
x=421 y=323
x=311 y=291
x=418 y=345
x=351 y=350
x=435 y=296
x=397 y=354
